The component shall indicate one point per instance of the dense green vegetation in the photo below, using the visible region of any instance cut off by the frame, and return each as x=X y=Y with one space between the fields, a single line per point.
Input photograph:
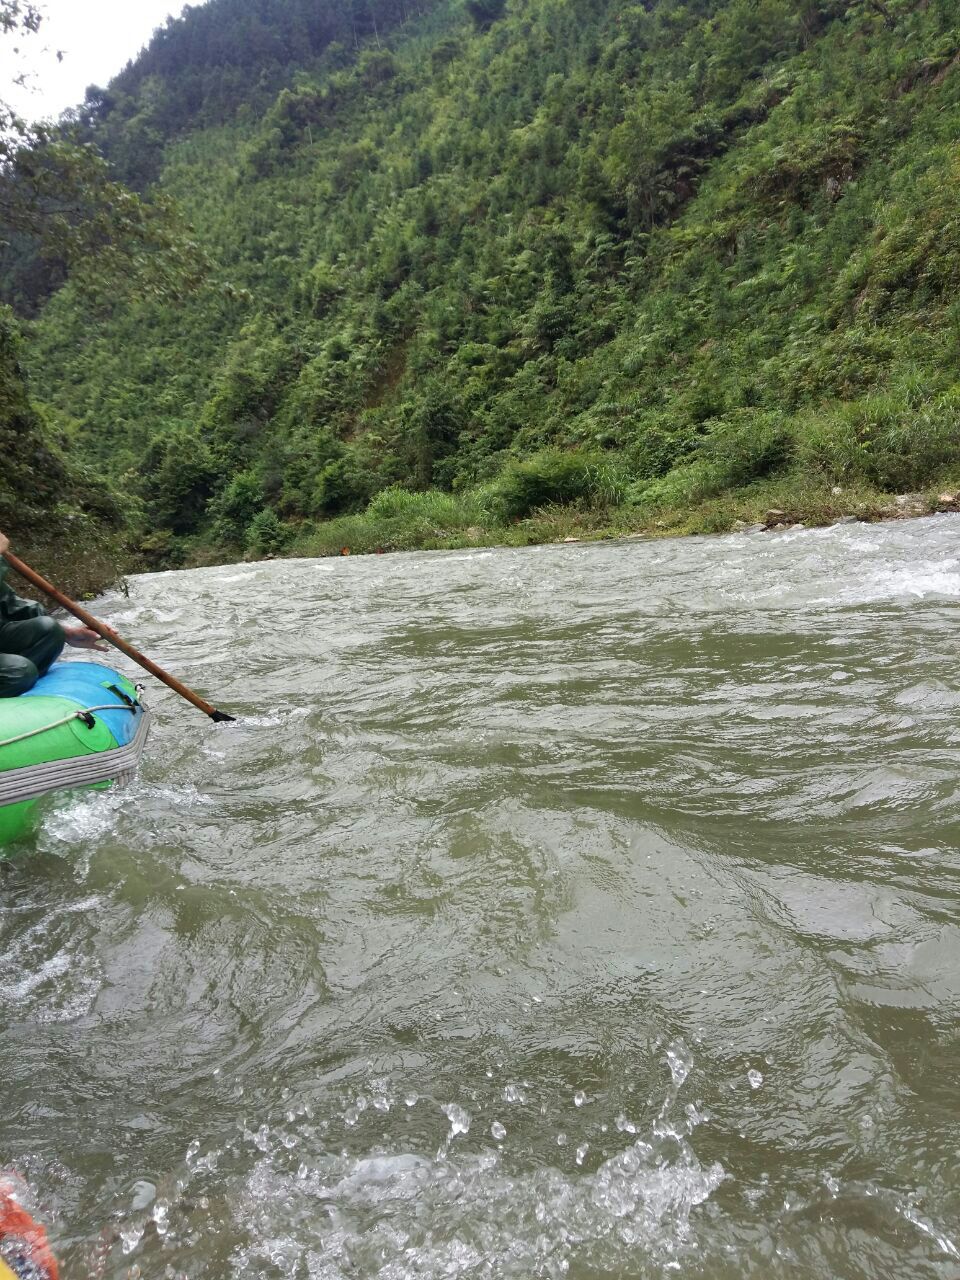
x=609 y=263
x=60 y=197
x=59 y=512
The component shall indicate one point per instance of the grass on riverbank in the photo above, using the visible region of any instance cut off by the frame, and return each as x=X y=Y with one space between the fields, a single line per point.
x=436 y=521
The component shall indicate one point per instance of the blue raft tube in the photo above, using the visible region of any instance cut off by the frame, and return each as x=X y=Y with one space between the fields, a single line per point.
x=81 y=726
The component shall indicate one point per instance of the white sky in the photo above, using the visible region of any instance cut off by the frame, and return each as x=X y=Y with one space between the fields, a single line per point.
x=97 y=38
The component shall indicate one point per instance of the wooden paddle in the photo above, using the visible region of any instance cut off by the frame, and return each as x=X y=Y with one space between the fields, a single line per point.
x=111 y=637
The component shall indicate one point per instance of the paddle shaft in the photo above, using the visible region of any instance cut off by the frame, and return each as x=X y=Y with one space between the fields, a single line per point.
x=111 y=637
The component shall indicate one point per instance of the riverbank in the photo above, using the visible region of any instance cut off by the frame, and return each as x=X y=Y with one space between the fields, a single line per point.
x=433 y=521
x=555 y=497
x=80 y=563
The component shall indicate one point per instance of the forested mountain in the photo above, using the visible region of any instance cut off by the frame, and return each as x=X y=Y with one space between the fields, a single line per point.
x=647 y=259
x=223 y=58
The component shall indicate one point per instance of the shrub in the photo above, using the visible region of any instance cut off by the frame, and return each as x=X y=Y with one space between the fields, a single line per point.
x=553 y=477
x=161 y=550
x=177 y=481
x=680 y=487
x=267 y=535
x=235 y=507
x=655 y=449
x=396 y=520
x=885 y=441
x=439 y=509
x=342 y=486
x=911 y=447
x=320 y=289
x=829 y=443
x=750 y=447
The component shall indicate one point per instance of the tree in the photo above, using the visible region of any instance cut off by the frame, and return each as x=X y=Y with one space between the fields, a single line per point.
x=59 y=198
x=485 y=12
x=57 y=511
x=178 y=480
x=60 y=195
x=16 y=15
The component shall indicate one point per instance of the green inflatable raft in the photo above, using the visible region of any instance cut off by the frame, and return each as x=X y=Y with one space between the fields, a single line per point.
x=82 y=725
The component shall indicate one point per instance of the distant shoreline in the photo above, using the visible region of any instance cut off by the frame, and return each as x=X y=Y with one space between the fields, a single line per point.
x=564 y=525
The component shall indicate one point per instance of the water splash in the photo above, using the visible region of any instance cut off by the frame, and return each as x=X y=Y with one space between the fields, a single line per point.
x=459 y=1119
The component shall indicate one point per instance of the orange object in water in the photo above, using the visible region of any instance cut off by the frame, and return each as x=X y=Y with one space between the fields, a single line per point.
x=24 y=1248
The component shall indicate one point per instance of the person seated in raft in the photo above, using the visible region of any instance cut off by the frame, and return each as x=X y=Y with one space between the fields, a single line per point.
x=30 y=640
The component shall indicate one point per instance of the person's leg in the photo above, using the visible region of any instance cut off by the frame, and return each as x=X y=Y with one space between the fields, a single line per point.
x=17 y=675
x=39 y=640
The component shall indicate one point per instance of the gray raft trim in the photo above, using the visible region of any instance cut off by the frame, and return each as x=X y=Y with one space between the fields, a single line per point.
x=31 y=781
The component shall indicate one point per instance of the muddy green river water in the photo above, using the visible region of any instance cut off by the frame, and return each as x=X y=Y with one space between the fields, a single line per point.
x=581 y=911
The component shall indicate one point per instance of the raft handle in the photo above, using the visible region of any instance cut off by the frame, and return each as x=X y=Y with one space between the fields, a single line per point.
x=125 y=697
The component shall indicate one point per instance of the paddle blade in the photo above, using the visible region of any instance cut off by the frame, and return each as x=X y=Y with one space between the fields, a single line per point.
x=221 y=717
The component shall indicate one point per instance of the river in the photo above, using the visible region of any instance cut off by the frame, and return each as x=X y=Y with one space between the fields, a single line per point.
x=581 y=911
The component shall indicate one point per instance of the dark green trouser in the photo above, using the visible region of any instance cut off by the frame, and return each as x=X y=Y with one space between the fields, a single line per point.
x=27 y=651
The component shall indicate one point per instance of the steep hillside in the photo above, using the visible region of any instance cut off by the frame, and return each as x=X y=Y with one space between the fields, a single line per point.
x=52 y=509
x=676 y=255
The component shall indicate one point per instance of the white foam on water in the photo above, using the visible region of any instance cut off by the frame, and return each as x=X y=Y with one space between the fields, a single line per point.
x=395 y=1216
x=895 y=584
x=273 y=719
x=909 y=1211
x=83 y=817
x=472 y=1210
x=78 y=820
x=233 y=577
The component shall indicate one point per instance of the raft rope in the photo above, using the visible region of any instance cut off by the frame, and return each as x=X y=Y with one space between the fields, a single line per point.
x=80 y=714
x=31 y=781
